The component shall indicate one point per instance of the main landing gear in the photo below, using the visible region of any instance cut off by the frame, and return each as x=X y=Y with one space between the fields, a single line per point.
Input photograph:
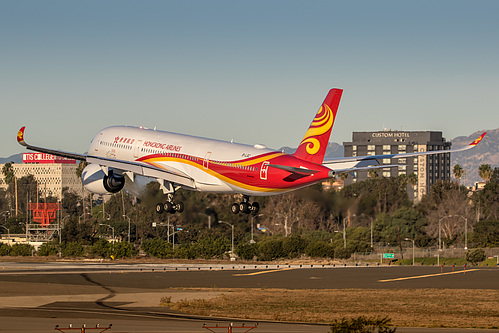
x=170 y=206
x=245 y=207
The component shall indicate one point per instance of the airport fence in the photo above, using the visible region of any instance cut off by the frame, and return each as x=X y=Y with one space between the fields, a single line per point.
x=420 y=253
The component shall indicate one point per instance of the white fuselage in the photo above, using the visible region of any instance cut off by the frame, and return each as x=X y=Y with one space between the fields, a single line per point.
x=133 y=143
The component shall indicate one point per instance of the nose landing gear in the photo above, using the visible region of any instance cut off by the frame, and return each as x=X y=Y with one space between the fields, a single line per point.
x=245 y=207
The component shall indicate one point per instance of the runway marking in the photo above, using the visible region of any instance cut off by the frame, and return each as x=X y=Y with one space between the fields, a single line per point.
x=425 y=276
x=264 y=272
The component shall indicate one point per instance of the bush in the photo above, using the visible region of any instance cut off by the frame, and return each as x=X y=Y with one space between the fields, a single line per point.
x=342 y=253
x=320 y=250
x=475 y=255
x=101 y=248
x=157 y=248
x=47 y=249
x=270 y=249
x=72 y=249
x=294 y=246
x=362 y=325
x=247 y=251
x=24 y=250
x=4 y=249
x=123 y=250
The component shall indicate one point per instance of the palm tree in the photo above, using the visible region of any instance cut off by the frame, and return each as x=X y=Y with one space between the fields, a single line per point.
x=485 y=172
x=372 y=174
x=412 y=179
x=8 y=172
x=458 y=172
x=343 y=175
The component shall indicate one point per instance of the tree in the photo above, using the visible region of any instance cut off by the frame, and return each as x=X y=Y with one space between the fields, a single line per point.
x=372 y=173
x=475 y=255
x=485 y=172
x=8 y=172
x=458 y=172
x=412 y=179
x=487 y=200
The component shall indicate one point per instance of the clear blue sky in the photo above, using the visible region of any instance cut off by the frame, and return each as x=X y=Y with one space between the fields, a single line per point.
x=252 y=71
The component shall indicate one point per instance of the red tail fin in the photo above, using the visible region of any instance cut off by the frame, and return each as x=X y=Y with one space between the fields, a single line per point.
x=313 y=146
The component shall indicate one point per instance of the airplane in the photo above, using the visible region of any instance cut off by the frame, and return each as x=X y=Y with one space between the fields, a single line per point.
x=207 y=165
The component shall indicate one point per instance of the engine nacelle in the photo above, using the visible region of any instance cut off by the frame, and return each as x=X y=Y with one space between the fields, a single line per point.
x=96 y=181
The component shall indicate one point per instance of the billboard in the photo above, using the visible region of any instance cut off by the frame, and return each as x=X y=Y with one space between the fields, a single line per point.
x=46 y=158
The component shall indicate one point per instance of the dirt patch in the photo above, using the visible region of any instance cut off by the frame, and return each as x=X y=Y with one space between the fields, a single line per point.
x=407 y=307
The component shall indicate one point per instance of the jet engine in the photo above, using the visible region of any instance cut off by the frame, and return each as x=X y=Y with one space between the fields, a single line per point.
x=96 y=181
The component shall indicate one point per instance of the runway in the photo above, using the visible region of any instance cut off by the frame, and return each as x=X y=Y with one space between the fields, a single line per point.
x=35 y=297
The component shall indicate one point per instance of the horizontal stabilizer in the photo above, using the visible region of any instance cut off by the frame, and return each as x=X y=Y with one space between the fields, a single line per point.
x=299 y=171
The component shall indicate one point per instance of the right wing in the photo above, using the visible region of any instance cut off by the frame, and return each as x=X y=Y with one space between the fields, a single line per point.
x=123 y=166
x=345 y=163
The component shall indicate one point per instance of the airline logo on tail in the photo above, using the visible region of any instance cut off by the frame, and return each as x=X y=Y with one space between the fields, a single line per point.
x=313 y=146
x=474 y=143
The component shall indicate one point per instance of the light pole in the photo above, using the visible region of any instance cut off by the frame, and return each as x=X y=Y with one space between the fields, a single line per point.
x=8 y=231
x=128 y=227
x=111 y=228
x=252 y=241
x=173 y=234
x=372 y=226
x=79 y=218
x=344 y=234
x=5 y=214
x=412 y=240
x=232 y=226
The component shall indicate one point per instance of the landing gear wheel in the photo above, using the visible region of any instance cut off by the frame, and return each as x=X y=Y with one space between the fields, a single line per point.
x=244 y=207
x=179 y=207
x=234 y=208
x=169 y=207
x=159 y=208
x=255 y=207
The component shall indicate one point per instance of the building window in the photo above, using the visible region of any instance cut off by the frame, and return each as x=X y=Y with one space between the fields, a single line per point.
x=402 y=147
x=402 y=160
x=371 y=153
x=354 y=147
x=387 y=147
x=387 y=161
x=386 y=174
x=371 y=147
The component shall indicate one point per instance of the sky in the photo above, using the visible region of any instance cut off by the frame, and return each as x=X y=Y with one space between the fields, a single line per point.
x=248 y=71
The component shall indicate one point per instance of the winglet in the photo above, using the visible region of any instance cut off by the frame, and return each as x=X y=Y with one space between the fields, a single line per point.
x=477 y=141
x=20 y=137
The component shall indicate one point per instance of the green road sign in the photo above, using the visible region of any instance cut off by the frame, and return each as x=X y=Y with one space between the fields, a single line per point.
x=388 y=256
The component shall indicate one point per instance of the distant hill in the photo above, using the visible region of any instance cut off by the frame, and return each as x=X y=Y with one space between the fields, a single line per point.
x=17 y=158
x=333 y=150
x=487 y=152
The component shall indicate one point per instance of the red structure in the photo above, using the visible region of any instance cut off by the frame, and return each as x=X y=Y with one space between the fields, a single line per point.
x=44 y=213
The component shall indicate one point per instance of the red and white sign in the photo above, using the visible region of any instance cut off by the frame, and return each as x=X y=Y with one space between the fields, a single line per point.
x=46 y=158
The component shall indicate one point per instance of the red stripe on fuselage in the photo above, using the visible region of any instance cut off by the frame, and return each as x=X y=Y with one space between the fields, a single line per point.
x=247 y=173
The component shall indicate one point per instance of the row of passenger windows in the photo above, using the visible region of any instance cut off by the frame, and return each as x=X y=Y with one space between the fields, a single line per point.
x=175 y=155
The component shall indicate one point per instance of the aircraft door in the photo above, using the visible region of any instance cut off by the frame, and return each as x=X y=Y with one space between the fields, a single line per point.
x=263 y=170
x=206 y=161
x=98 y=142
x=136 y=149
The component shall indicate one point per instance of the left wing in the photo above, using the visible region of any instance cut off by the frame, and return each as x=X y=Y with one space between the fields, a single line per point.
x=75 y=156
x=345 y=163
x=169 y=174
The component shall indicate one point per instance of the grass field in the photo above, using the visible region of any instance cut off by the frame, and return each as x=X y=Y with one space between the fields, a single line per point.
x=406 y=307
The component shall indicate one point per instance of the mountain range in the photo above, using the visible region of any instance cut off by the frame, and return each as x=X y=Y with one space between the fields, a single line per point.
x=487 y=152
